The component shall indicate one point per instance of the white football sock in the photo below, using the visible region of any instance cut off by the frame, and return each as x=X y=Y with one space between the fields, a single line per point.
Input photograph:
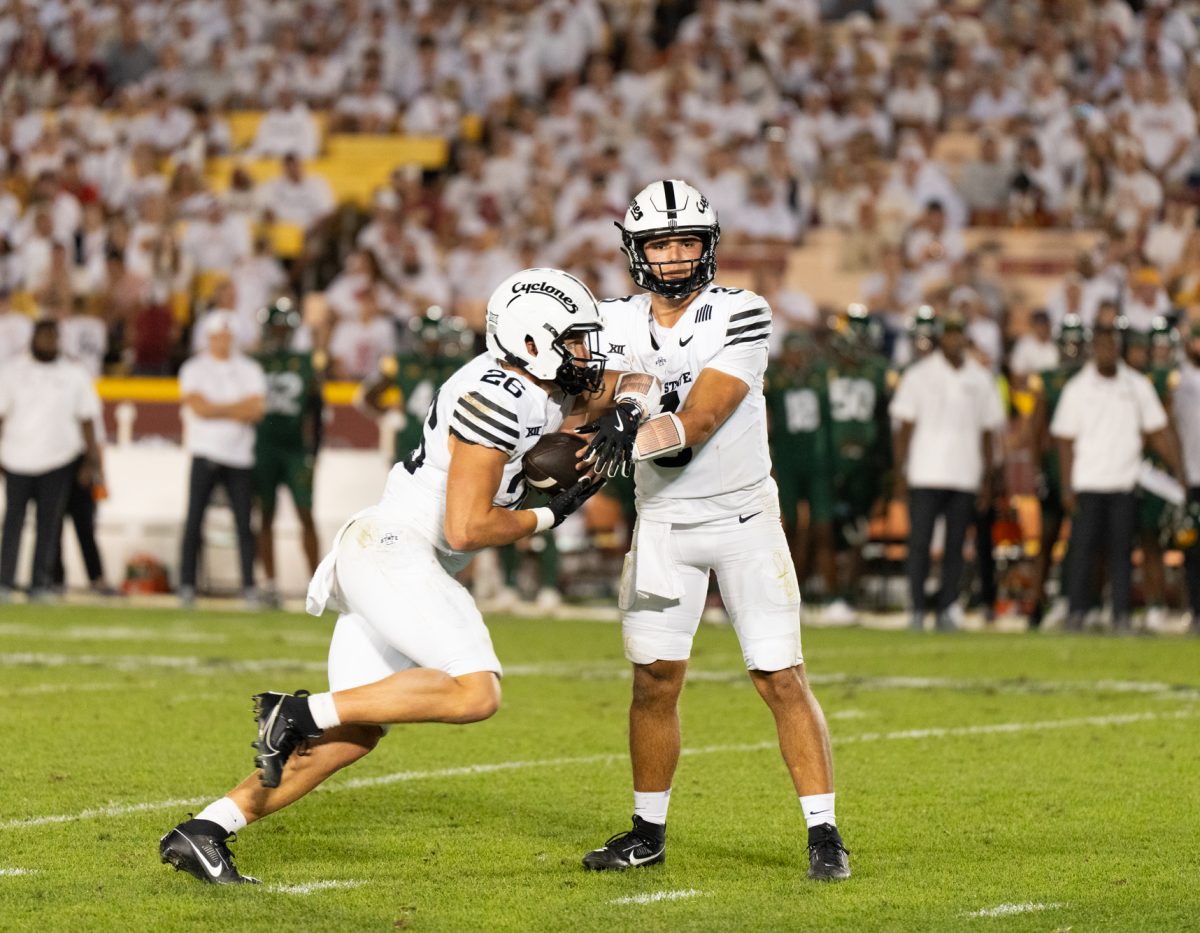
x=324 y=713
x=651 y=806
x=818 y=809
x=224 y=813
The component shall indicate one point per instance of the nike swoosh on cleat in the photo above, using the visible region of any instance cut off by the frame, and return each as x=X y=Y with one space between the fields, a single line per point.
x=743 y=519
x=214 y=871
x=634 y=861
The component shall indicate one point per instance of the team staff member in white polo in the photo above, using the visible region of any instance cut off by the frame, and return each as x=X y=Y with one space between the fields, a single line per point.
x=225 y=392
x=47 y=404
x=1107 y=414
x=947 y=407
x=1186 y=403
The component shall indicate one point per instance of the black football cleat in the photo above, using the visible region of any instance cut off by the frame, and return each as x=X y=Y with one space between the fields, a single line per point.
x=284 y=724
x=645 y=844
x=828 y=858
x=201 y=848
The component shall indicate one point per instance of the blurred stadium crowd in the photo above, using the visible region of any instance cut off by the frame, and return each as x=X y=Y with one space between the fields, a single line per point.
x=162 y=160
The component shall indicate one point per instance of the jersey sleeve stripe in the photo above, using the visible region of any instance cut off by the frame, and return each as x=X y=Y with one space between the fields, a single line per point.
x=470 y=409
x=752 y=338
x=488 y=403
x=473 y=434
x=746 y=328
x=749 y=312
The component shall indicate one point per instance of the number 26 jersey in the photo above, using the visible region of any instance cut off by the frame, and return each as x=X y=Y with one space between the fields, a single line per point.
x=483 y=404
x=726 y=329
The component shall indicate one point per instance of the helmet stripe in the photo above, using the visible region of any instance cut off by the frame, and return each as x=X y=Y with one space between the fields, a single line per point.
x=669 y=195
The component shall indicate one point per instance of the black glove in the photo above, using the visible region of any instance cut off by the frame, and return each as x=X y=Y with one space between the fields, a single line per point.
x=611 y=448
x=569 y=500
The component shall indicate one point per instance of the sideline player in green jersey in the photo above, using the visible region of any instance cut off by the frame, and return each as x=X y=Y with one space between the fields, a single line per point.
x=858 y=382
x=798 y=415
x=1047 y=389
x=440 y=344
x=288 y=435
x=1154 y=354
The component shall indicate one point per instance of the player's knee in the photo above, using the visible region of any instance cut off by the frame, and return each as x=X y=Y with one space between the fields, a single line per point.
x=658 y=683
x=479 y=698
x=781 y=688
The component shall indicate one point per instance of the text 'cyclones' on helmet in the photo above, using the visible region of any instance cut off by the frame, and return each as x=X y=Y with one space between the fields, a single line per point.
x=670 y=208
x=546 y=307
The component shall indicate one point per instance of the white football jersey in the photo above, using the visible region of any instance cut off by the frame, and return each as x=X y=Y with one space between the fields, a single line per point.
x=484 y=404
x=725 y=329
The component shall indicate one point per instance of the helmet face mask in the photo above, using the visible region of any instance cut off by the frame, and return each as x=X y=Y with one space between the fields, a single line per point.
x=663 y=209
x=547 y=308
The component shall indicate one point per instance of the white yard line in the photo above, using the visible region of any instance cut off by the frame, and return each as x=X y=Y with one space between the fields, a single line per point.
x=109 y=633
x=1001 y=728
x=312 y=887
x=14 y=872
x=55 y=689
x=138 y=662
x=868 y=682
x=1007 y=910
x=658 y=896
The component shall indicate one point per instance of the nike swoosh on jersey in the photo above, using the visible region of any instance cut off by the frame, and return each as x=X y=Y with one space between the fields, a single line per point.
x=214 y=870
x=684 y=343
x=743 y=519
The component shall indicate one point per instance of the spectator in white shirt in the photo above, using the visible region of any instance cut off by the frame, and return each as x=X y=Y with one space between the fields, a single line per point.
x=913 y=103
x=1035 y=351
x=47 y=406
x=357 y=344
x=216 y=243
x=765 y=219
x=84 y=338
x=1165 y=124
x=288 y=127
x=1107 y=414
x=997 y=102
x=224 y=394
x=366 y=110
x=296 y=197
x=947 y=408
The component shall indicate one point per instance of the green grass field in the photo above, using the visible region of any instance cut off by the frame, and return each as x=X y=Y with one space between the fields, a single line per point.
x=1050 y=781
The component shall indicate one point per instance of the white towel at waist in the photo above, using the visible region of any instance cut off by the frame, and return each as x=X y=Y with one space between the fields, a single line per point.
x=654 y=572
x=322 y=587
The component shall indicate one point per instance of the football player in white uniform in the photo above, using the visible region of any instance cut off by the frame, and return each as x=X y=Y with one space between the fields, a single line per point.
x=706 y=502
x=410 y=645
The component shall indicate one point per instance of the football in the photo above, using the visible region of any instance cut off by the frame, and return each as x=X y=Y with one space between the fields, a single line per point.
x=550 y=465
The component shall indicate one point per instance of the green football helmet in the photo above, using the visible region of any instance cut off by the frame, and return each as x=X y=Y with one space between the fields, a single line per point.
x=441 y=334
x=1072 y=339
x=280 y=313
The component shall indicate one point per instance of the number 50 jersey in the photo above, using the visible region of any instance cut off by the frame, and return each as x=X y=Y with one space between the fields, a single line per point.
x=725 y=329
x=483 y=404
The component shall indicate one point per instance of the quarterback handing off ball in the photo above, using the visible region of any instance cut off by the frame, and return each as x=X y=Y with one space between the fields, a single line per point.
x=551 y=465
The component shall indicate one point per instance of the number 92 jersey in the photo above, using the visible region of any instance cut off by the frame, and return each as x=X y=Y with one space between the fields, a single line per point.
x=725 y=329
x=484 y=404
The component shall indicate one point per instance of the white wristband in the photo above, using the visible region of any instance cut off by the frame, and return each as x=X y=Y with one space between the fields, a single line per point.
x=545 y=519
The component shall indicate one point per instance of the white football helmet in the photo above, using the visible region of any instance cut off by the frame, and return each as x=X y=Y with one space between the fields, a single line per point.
x=661 y=209
x=546 y=306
